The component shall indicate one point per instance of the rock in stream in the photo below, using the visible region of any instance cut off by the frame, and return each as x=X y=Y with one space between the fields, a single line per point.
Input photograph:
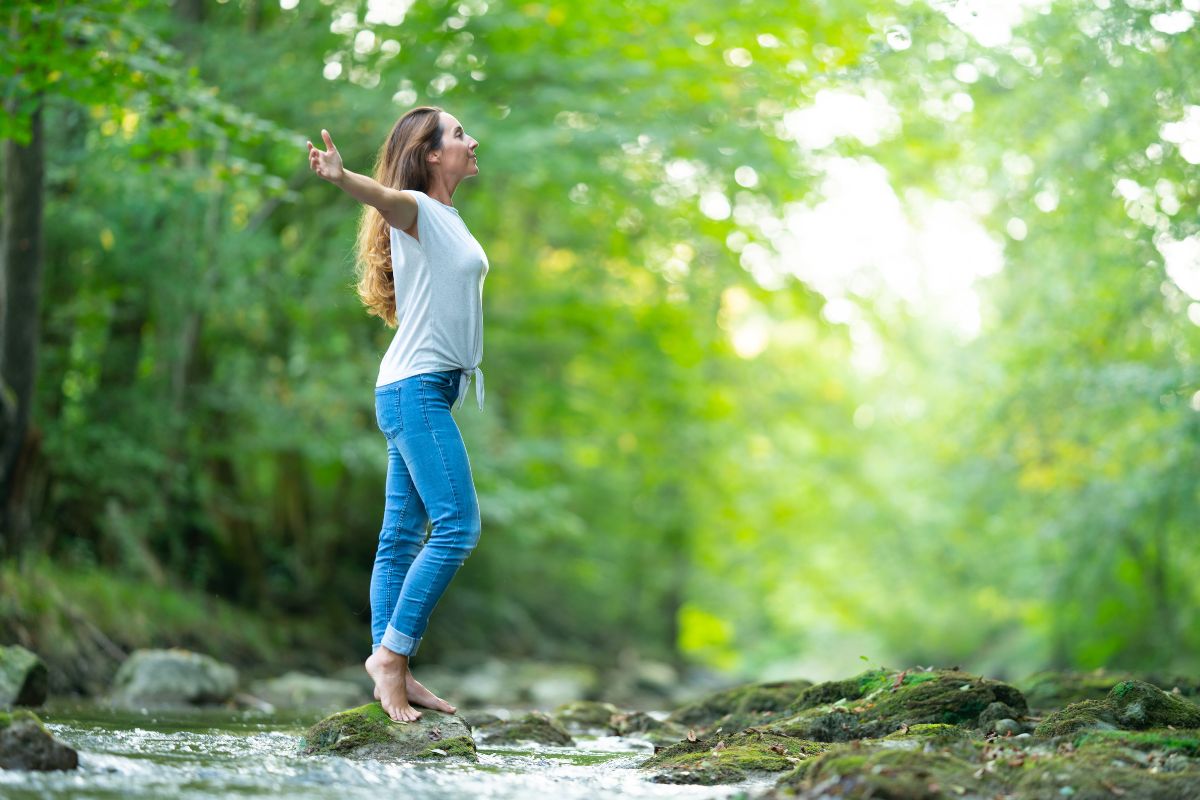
x=367 y=732
x=23 y=678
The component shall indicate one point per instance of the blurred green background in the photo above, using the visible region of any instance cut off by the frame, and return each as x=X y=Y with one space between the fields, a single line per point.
x=813 y=331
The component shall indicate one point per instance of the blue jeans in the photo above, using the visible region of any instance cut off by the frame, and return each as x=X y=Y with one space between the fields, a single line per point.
x=428 y=479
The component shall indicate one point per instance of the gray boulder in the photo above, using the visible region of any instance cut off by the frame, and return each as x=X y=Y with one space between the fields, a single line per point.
x=26 y=744
x=367 y=732
x=298 y=691
x=172 y=678
x=23 y=678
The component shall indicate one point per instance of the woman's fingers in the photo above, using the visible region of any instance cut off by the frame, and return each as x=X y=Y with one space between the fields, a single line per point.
x=321 y=161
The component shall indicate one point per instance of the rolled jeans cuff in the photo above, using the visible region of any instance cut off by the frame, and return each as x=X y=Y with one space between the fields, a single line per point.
x=398 y=642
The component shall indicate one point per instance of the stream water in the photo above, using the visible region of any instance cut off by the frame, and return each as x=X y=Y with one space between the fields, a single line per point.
x=224 y=754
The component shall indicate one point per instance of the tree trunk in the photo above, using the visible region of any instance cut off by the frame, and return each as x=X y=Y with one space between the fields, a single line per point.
x=20 y=305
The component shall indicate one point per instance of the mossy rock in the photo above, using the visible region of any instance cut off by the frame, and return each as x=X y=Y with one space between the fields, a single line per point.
x=1101 y=770
x=846 y=689
x=641 y=725
x=23 y=678
x=1055 y=689
x=854 y=771
x=367 y=732
x=1084 y=715
x=739 y=707
x=26 y=744
x=932 y=761
x=585 y=717
x=535 y=727
x=1158 y=740
x=877 y=703
x=728 y=758
x=1141 y=705
x=1058 y=689
x=933 y=733
x=1130 y=705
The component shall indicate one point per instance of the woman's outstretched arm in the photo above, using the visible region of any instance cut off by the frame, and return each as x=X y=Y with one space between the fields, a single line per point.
x=398 y=208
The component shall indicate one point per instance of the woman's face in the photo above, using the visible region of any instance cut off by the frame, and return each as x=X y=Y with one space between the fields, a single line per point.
x=458 y=149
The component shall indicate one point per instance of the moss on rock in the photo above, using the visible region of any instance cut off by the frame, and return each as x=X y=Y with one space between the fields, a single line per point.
x=25 y=743
x=534 y=727
x=897 y=774
x=1056 y=689
x=891 y=701
x=367 y=732
x=1130 y=705
x=935 y=733
x=944 y=760
x=1105 y=770
x=846 y=689
x=740 y=706
x=1166 y=740
x=728 y=758
x=1142 y=705
x=1077 y=716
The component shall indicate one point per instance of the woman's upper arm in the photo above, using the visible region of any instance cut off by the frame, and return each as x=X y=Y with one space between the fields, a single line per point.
x=399 y=208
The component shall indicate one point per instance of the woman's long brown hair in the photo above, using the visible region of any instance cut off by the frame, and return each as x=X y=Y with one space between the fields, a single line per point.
x=401 y=164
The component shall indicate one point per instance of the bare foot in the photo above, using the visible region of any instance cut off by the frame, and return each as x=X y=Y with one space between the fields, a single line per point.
x=423 y=697
x=389 y=670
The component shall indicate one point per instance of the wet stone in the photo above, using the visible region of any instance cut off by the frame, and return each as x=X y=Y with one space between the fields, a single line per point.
x=26 y=744
x=367 y=732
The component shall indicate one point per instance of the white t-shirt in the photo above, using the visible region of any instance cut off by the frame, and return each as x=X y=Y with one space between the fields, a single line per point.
x=439 y=298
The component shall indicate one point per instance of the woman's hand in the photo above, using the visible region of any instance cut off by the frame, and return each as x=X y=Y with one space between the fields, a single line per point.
x=326 y=163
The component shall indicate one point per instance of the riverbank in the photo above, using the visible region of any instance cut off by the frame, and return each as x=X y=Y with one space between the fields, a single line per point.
x=84 y=622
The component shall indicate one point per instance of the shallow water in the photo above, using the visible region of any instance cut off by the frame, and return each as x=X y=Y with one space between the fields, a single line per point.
x=222 y=754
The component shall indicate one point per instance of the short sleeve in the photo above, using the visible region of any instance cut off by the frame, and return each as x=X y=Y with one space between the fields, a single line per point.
x=420 y=198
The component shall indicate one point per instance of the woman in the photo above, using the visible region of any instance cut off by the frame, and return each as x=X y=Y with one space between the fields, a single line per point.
x=422 y=271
